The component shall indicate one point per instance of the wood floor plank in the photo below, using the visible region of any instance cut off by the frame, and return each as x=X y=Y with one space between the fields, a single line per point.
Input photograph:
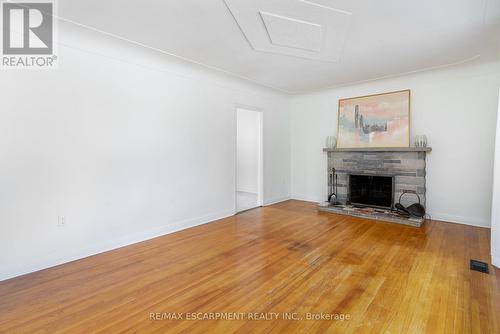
x=283 y=259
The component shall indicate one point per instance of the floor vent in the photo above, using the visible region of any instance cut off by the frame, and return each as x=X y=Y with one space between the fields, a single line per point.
x=479 y=266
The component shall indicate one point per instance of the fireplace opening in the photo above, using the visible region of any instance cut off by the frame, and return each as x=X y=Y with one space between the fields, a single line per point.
x=371 y=191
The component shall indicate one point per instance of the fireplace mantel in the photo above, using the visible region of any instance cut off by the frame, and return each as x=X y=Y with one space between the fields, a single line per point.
x=379 y=149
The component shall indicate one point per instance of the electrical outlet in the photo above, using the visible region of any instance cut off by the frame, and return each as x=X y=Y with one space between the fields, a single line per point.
x=61 y=221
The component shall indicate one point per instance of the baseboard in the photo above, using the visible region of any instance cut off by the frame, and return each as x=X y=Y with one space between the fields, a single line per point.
x=276 y=201
x=153 y=233
x=114 y=244
x=495 y=260
x=460 y=220
x=435 y=216
x=307 y=199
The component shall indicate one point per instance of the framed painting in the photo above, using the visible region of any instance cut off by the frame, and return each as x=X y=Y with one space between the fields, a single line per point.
x=379 y=120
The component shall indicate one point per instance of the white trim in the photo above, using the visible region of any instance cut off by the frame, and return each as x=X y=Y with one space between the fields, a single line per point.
x=495 y=207
x=276 y=201
x=338 y=10
x=495 y=260
x=307 y=199
x=247 y=107
x=56 y=259
x=260 y=158
x=471 y=221
x=257 y=82
x=178 y=226
x=389 y=76
x=171 y=54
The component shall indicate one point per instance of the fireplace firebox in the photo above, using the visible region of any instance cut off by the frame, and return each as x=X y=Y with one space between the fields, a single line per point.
x=371 y=191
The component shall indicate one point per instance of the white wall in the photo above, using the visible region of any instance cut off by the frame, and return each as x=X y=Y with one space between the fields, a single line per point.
x=456 y=108
x=247 y=146
x=495 y=210
x=126 y=144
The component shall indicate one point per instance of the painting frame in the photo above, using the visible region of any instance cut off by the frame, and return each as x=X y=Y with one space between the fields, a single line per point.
x=370 y=96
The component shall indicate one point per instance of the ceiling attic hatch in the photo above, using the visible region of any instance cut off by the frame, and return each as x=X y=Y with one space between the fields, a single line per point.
x=300 y=29
x=293 y=33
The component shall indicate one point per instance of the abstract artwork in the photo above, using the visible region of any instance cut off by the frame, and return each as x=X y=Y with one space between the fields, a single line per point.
x=381 y=120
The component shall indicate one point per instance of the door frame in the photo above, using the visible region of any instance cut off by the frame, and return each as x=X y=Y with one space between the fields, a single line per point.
x=260 y=155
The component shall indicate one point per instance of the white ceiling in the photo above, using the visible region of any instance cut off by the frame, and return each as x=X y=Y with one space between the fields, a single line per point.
x=297 y=28
x=301 y=45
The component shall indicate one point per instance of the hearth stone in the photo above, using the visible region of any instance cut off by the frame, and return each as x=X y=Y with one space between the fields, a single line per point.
x=381 y=216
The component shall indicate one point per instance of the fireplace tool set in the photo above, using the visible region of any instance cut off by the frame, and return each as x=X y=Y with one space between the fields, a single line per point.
x=413 y=210
x=333 y=178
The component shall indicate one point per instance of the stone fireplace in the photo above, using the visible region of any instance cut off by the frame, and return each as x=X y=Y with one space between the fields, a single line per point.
x=406 y=166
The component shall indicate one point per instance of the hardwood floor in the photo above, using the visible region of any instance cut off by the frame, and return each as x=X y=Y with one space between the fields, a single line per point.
x=286 y=259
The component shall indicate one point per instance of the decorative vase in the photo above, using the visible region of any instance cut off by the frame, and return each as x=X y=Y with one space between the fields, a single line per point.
x=331 y=142
x=420 y=141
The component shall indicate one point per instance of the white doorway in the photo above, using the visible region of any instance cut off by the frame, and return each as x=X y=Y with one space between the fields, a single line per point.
x=249 y=185
x=495 y=207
